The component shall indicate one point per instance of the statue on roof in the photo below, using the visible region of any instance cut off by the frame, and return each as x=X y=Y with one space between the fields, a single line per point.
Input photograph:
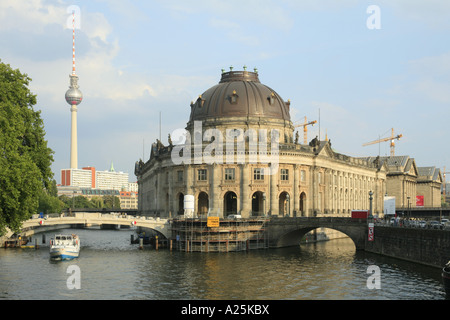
x=314 y=142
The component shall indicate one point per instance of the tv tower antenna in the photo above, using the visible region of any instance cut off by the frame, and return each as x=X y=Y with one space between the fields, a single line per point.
x=73 y=42
x=73 y=98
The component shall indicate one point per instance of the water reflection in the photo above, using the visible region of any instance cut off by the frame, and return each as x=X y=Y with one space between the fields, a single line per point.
x=112 y=268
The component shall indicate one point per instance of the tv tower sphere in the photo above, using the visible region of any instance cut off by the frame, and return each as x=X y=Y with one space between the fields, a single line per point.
x=74 y=95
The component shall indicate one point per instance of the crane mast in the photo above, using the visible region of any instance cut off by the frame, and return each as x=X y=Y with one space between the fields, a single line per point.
x=391 y=139
x=305 y=124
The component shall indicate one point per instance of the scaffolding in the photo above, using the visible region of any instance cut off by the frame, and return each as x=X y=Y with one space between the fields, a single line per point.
x=194 y=235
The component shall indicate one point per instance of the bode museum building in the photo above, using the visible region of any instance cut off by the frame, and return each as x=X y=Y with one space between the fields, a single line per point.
x=240 y=155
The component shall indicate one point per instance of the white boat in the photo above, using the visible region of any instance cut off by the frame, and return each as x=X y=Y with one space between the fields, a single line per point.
x=64 y=247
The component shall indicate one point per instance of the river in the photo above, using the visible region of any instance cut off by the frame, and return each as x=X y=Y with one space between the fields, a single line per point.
x=109 y=267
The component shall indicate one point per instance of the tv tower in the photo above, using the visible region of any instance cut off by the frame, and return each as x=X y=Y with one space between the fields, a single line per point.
x=73 y=97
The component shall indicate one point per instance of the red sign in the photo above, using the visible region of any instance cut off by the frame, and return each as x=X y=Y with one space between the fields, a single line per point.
x=361 y=214
x=419 y=201
x=370 y=237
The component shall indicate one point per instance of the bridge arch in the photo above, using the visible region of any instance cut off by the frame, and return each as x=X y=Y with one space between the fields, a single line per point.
x=33 y=226
x=287 y=232
x=294 y=237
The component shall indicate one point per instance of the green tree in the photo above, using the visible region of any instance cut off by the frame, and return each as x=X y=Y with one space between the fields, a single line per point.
x=111 y=202
x=25 y=159
x=80 y=202
x=97 y=202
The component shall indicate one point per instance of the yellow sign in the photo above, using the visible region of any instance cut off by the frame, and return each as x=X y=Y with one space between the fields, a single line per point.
x=213 y=222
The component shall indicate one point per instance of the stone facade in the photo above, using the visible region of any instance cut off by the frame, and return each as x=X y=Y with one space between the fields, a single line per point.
x=240 y=156
x=409 y=183
x=429 y=182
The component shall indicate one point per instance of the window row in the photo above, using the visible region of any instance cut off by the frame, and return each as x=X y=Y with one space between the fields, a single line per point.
x=258 y=175
x=230 y=174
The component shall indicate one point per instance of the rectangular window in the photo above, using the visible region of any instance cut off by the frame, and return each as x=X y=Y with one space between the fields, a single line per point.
x=258 y=174
x=284 y=174
x=303 y=175
x=201 y=175
x=229 y=174
x=180 y=176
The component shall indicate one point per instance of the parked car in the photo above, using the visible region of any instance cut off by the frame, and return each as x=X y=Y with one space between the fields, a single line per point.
x=434 y=225
x=422 y=224
x=413 y=223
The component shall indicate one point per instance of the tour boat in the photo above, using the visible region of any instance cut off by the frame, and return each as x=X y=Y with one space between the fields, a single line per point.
x=64 y=247
x=446 y=278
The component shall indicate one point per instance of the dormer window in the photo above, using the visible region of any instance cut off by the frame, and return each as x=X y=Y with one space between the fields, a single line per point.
x=234 y=98
x=271 y=98
x=200 y=101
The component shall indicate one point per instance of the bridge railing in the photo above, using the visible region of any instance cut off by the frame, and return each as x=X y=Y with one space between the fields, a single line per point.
x=319 y=220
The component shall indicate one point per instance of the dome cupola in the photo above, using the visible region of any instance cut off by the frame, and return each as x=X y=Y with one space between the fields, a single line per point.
x=239 y=94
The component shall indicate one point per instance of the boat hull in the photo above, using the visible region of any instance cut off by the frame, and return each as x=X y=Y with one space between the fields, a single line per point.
x=446 y=281
x=63 y=254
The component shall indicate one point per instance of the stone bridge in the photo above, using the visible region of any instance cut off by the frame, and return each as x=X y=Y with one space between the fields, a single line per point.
x=284 y=232
x=32 y=226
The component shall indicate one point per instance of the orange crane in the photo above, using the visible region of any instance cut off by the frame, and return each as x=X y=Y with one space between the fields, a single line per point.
x=305 y=129
x=391 y=138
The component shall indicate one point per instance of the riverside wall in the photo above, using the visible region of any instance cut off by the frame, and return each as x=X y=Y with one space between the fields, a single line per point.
x=426 y=246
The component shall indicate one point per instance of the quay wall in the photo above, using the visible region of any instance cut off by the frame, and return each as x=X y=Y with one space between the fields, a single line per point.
x=426 y=246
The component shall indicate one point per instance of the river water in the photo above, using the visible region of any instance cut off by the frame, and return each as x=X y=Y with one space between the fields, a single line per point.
x=109 y=267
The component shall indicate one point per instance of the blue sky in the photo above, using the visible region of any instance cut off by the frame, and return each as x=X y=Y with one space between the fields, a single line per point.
x=137 y=59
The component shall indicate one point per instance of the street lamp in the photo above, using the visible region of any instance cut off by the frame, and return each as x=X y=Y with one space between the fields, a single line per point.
x=409 y=208
x=264 y=204
x=288 y=205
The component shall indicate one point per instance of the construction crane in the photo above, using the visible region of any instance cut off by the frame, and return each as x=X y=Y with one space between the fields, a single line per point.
x=391 y=138
x=305 y=129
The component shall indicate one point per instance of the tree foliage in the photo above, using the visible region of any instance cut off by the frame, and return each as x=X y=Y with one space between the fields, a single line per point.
x=98 y=202
x=25 y=159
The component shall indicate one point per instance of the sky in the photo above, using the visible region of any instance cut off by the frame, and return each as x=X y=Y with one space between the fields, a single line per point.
x=360 y=68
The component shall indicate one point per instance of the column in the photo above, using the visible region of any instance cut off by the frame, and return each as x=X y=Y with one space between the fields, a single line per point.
x=215 y=209
x=296 y=195
x=189 y=175
x=170 y=210
x=245 y=186
x=273 y=194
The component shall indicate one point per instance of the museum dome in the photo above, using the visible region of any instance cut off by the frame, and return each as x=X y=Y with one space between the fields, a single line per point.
x=239 y=94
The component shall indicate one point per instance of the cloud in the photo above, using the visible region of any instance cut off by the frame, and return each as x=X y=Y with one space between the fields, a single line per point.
x=431 y=13
x=231 y=16
x=30 y=16
x=432 y=65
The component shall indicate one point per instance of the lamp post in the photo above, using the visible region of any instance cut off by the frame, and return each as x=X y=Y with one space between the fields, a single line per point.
x=288 y=205
x=370 y=203
x=409 y=208
x=264 y=204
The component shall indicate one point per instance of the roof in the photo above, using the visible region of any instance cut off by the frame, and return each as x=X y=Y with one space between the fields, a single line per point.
x=396 y=164
x=239 y=94
x=429 y=173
